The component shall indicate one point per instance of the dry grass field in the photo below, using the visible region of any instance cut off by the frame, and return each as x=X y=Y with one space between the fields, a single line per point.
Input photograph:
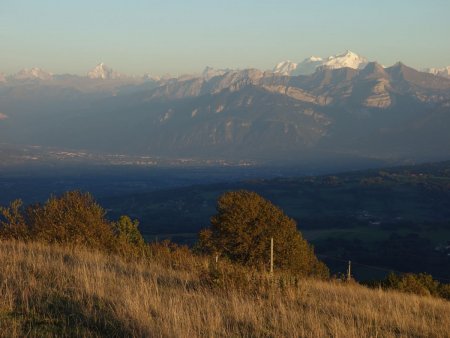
x=48 y=291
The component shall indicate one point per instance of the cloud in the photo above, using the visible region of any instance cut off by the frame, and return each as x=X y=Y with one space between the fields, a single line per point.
x=3 y=116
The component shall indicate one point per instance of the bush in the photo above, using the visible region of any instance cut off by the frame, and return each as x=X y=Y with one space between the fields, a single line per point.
x=12 y=222
x=129 y=240
x=444 y=291
x=172 y=255
x=127 y=231
x=421 y=284
x=73 y=219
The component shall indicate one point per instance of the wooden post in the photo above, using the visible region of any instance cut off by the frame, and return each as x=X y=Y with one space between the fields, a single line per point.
x=271 y=255
x=349 y=271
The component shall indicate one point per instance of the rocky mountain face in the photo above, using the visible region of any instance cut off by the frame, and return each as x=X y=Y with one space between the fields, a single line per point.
x=341 y=113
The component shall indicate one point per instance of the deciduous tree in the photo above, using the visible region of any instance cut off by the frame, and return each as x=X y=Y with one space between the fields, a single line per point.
x=241 y=231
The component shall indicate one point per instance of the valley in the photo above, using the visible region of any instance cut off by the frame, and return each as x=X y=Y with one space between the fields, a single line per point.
x=389 y=218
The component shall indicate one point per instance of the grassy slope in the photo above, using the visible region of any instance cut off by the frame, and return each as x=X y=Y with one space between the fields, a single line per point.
x=55 y=291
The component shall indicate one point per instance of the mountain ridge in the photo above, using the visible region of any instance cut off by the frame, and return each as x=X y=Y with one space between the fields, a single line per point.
x=286 y=68
x=374 y=112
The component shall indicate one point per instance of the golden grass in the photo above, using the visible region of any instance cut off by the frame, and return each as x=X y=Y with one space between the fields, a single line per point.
x=56 y=291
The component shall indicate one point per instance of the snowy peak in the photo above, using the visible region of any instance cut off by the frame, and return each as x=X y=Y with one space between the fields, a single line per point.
x=309 y=65
x=33 y=74
x=347 y=59
x=313 y=59
x=103 y=72
x=210 y=72
x=443 y=72
x=285 y=67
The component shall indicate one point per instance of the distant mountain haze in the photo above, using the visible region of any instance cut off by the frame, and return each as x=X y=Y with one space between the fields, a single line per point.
x=337 y=107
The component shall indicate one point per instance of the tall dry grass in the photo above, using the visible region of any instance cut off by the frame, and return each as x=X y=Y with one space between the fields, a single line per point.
x=57 y=291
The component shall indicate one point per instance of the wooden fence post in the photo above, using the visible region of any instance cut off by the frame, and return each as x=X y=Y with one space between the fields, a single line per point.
x=271 y=255
x=349 y=271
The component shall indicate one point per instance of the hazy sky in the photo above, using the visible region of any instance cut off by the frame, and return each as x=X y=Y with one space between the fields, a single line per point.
x=183 y=36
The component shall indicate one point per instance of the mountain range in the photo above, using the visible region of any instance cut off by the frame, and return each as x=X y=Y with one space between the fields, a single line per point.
x=337 y=108
x=308 y=66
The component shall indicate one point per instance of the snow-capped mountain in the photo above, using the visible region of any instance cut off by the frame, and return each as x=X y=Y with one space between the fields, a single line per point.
x=150 y=77
x=285 y=67
x=348 y=59
x=102 y=71
x=210 y=72
x=32 y=74
x=444 y=72
x=309 y=65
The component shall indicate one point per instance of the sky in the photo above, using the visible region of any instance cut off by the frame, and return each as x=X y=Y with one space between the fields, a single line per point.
x=184 y=36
